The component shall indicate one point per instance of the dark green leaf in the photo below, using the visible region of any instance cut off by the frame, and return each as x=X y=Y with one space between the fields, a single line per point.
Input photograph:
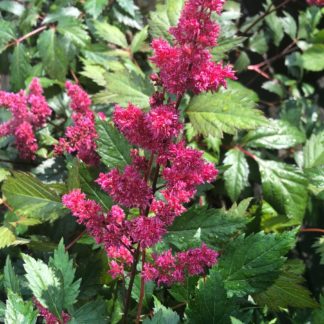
x=236 y=176
x=52 y=52
x=289 y=25
x=314 y=151
x=6 y=34
x=112 y=146
x=94 y=7
x=18 y=311
x=73 y=30
x=278 y=134
x=128 y=6
x=251 y=264
x=13 y=7
x=31 y=198
x=319 y=248
x=139 y=40
x=315 y=177
x=276 y=27
x=285 y=188
x=11 y=280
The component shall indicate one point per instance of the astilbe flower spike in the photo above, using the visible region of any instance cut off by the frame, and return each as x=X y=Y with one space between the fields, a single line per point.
x=48 y=316
x=80 y=137
x=29 y=113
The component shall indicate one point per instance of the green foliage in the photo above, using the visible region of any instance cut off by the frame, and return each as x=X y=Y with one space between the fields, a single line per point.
x=11 y=280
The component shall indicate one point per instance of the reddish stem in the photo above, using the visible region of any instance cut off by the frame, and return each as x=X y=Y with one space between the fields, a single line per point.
x=312 y=230
x=246 y=152
x=75 y=240
x=142 y=292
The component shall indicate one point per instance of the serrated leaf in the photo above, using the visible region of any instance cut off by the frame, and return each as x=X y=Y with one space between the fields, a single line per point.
x=162 y=315
x=174 y=8
x=45 y=285
x=61 y=263
x=10 y=280
x=313 y=58
x=139 y=40
x=319 y=248
x=31 y=198
x=236 y=176
x=19 y=68
x=211 y=304
x=13 y=7
x=123 y=88
x=62 y=13
x=287 y=290
x=113 y=148
x=251 y=264
x=285 y=188
x=224 y=112
x=18 y=311
x=111 y=34
x=52 y=53
x=215 y=226
x=278 y=134
x=315 y=177
x=7 y=237
x=128 y=6
x=7 y=33
x=91 y=312
x=314 y=151
x=73 y=30
x=94 y=7
x=94 y=73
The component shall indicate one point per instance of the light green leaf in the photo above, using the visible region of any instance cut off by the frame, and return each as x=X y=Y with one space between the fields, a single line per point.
x=31 y=198
x=251 y=264
x=278 y=134
x=111 y=34
x=313 y=58
x=226 y=44
x=276 y=27
x=19 y=68
x=13 y=7
x=10 y=280
x=113 y=148
x=287 y=290
x=7 y=33
x=289 y=25
x=259 y=43
x=18 y=311
x=94 y=73
x=73 y=30
x=123 y=88
x=315 y=177
x=211 y=304
x=285 y=188
x=174 y=8
x=224 y=112
x=236 y=176
x=319 y=248
x=7 y=237
x=139 y=40
x=62 y=13
x=45 y=285
x=215 y=226
x=314 y=151
x=162 y=315
x=52 y=52
x=64 y=266
x=94 y=7
x=128 y=6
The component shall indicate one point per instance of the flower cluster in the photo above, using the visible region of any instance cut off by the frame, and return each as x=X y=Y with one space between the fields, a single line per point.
x=188 y=65
x=169 y=269
x=48 y=316
x=80 y=137
x=319 y=3
x=29 y=113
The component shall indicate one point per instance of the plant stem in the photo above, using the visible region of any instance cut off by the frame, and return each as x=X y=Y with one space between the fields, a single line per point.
x=142 y=292
x=246 y=152
x=131 y=283
x=75 y=240
x=312 y=230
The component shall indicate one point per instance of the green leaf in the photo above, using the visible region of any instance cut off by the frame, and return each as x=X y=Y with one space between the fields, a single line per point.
x=174 y=8
x=285 y=188
x=213 y=226
x=18 y=311
x=94 y=7
x=91 y=312
x=259 y=43
x=289 y=25
x=113 y=148
x=111 y=34
x=7 y=237
x=61 y=13
x=315 y=177
x=236 y=176
x=275 y=86
x=31 y=198
x=319 y=248
x=13 y=7
x=278 y=134
x=19 y=68
x=10 y=280
x=287 y=290
x=148 y=291
x=123 y=88
x=139 y=40
x=162 y=315
x=251 y=264
x=52 y=53
x=211 y=304
x=2 y=310
x=7 y=33
x=276 y=27
x=45 y=285
x=224 y=112
x=64 y=266
x=318 y=314
x=73 y=30
x=314 y=151
x=313 y=58
x=225 y=45
x=128 y=6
